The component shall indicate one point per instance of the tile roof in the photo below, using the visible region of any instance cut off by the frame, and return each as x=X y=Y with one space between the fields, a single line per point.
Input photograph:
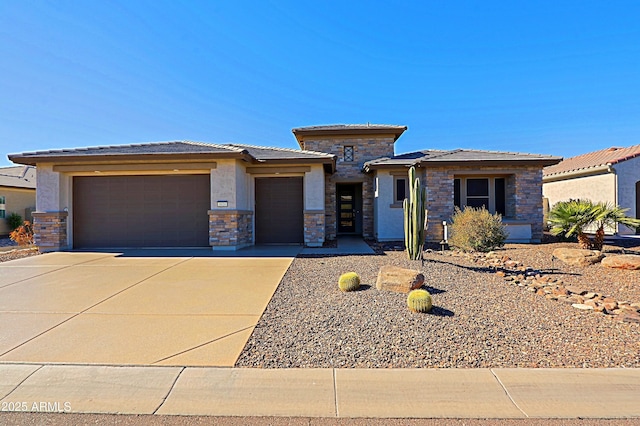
x=347 y=129
x=18 y=177
x=459 y=156
x=259 y=153
x=262 y=153
x=367 y=126
x=174 y=147
x=594 y=159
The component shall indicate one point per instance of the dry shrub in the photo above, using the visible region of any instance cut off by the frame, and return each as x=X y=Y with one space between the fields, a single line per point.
x=475 y=229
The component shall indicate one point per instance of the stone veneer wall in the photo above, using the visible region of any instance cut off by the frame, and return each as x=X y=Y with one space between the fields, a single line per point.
x=523 y=193
x=230 y=228
x=365 y=149
x=528 y=195
x=314 y=228
x=50 y=230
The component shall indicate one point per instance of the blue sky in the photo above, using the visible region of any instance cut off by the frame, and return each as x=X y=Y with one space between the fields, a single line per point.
x=556 y=77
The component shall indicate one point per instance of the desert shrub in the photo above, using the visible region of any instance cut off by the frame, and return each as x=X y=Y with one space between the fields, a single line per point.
x=13 y=221
x=349 y=281
x=475 y=229
x=23 y=234
x=419 y=301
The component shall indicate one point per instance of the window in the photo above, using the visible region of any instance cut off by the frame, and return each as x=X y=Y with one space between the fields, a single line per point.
x=487 y=192
x=400 y=189
x=3 y=208
x=348 y=153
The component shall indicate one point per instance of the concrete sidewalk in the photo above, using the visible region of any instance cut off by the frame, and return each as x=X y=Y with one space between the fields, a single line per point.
x=370 y=393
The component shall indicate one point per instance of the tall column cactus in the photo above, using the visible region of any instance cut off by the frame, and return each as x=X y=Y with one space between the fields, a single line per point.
x=415 y=217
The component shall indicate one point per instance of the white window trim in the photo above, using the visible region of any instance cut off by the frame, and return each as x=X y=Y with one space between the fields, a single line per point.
x=395 y=188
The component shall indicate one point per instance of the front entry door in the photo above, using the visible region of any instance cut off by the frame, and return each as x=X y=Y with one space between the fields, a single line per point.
x=346 y=209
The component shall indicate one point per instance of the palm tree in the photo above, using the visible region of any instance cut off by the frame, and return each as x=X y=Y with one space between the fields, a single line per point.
x=608 y=215
x=572 y=217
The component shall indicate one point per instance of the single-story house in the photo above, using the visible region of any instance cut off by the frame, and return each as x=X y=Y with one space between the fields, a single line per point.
x=611 y=175
x=17 y=194
x=344 y=179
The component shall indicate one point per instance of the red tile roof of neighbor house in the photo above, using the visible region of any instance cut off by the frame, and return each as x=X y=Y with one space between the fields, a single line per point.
x=18 y=177
x=584 y=162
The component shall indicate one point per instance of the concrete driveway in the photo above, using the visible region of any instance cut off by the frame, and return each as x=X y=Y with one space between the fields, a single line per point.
x=109 y=308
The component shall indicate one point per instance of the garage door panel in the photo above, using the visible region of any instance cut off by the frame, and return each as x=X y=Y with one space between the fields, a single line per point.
x=141 y=211
x=279 y=210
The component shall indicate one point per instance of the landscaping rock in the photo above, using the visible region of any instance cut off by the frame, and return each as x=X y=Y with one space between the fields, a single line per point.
x=576 y=290
x=582 y=306
x=622 y=261
x=578 y=257
x=400 y=280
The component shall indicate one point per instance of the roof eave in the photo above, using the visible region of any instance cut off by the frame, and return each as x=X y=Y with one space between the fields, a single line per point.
x=478 y=163
x=327 y=161
x=301 y=133
x=33 y=160
x=570 y=174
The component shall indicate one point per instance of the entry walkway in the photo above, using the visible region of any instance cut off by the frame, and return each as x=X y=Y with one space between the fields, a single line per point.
x=347 y=245
x=376 y=393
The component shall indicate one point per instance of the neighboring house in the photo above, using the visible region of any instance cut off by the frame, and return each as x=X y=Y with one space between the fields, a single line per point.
x=345 y=179
x=17 y=194
x=610 y=175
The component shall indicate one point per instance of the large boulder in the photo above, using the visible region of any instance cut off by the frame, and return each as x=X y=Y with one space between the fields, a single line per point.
x=622 y=261
x=400 y=280
x=578 y=257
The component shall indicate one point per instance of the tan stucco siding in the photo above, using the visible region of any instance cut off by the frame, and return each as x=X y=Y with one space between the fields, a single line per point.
x=389 y=221
x=628 y=174
x=595 y=188
x=314 y=188
x=224 y=179
x=17 y=200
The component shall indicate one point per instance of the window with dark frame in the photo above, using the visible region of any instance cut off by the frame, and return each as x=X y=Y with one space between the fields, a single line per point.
x=348 y=153
x=3 y=212
x=475 y=192
x=401 y=190
x=478 y=192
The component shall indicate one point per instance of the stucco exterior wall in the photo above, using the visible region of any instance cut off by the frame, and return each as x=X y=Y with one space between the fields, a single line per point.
x=389 y=217
x=314 y=188
x=224 y=185
x=17 y=200
x=595 y=188
x=628 y=174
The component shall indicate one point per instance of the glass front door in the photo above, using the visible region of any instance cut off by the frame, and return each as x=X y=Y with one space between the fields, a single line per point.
x=346 y=209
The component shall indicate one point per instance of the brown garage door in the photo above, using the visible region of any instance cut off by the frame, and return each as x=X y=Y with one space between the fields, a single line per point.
x=279 y=211
x=141 y=211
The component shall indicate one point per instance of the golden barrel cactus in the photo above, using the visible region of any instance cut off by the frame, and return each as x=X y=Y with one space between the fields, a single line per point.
x=419 y=300
x=349 y=281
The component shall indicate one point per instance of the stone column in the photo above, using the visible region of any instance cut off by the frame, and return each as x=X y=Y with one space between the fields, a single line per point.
x=314 y=228
x=50 y=230
x=230 y=229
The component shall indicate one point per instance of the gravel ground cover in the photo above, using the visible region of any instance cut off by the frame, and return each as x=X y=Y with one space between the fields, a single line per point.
x=478 y=320
x=17 y=253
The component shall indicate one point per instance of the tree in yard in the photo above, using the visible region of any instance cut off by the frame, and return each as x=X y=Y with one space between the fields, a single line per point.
x=573 y=217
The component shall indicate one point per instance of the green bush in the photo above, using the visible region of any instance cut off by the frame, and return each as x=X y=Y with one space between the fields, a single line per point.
x=14 y=220
x=349 y=281
x=475 y=229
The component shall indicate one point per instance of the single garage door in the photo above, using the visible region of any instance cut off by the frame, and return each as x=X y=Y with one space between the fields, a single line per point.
x=141 y=211
x=279 y=211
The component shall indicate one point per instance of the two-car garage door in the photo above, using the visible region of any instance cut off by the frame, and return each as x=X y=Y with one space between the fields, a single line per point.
x=171 y=211
x=141 y=211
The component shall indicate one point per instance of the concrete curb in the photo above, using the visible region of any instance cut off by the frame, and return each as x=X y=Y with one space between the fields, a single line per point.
x=329 y=393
